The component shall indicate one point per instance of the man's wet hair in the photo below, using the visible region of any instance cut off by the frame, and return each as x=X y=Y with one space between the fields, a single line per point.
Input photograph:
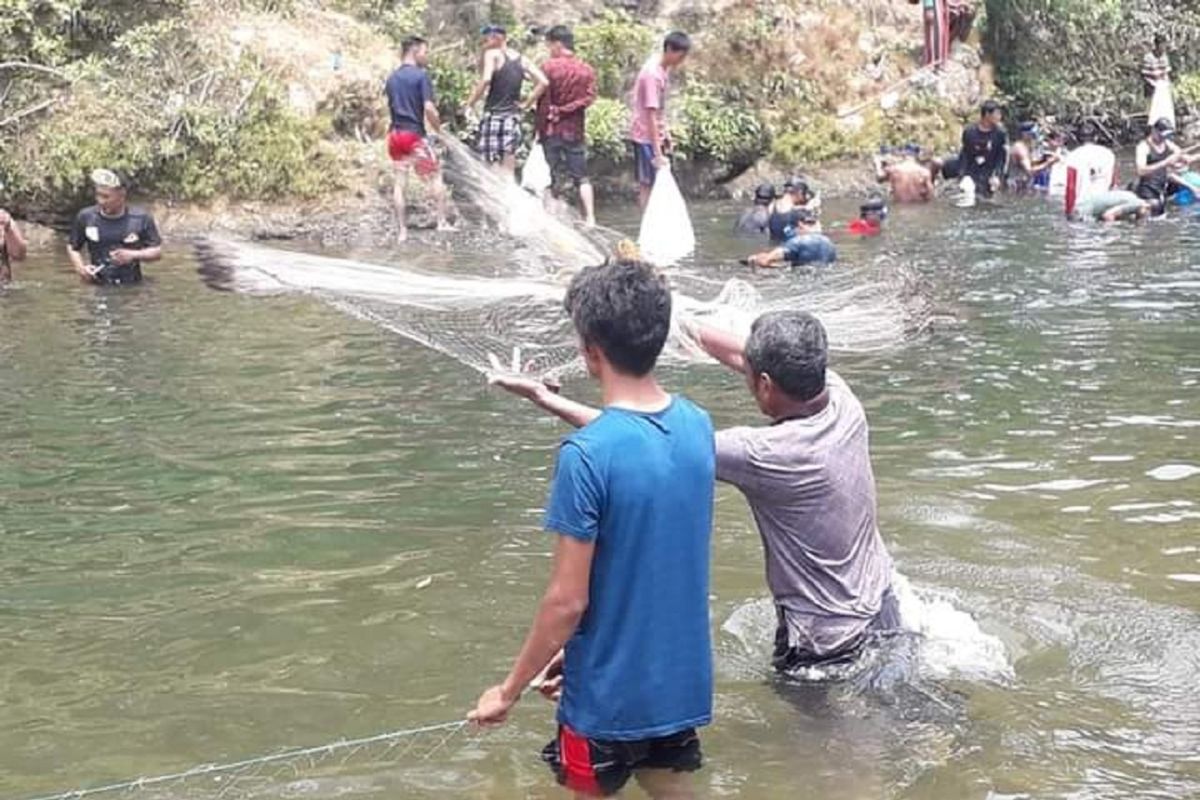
x=988 y=107
x=677 y=42
x=622 y=307
x=793 y=349
x=1087 y=133
x=563 y=35
x=410 y=44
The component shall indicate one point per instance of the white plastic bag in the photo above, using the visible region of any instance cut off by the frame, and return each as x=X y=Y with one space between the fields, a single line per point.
x=667 y=235
x=1162 y=104
x=535 y=176
x=966 y=192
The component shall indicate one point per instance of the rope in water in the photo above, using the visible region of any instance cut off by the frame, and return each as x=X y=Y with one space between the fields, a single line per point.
x=208 y=770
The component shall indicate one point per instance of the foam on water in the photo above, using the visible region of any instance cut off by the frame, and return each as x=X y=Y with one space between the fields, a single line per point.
x=951 y=644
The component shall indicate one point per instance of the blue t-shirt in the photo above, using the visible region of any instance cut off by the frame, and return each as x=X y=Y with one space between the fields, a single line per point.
x=641 y=487
x=810 y=248
x=408 y=89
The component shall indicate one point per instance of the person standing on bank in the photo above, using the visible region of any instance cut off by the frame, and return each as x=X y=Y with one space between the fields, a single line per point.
x=413 y=110
x=504 y=72
x=12 y=245
x=118 y=239
x=648 y=129
x=562 y=115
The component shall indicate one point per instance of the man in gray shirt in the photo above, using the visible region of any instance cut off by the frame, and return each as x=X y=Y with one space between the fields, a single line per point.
x=808 y=479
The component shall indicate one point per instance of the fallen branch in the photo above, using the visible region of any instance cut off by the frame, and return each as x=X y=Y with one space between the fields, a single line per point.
x=11 y=65
x=20 y=115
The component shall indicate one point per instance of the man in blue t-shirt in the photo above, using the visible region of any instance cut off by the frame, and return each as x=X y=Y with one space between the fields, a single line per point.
x=631 y=506
x=411 y=102
x=804 y=244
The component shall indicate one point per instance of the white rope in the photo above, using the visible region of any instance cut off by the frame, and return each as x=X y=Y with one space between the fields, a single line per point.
x=207 y=770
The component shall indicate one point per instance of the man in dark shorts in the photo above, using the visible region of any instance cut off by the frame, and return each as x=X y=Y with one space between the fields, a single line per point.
x=808 y=479
x=118 y=238
x=561 y=115
x=631 y=506
x=411 y=102
x=12 y=245
x=504 y=72
x=648 y=126
x=984 y=151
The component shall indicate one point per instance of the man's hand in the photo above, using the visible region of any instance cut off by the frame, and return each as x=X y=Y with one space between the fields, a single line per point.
x=529 y=388
x=993 y=183
x=549 y=682
x=123 y=257
x=87 y=272
x=493 y=707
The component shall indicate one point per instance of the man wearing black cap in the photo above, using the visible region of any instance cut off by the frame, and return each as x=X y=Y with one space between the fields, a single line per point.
x=118 y=238
x=870 y=218
x=755 y=220
x=503 y=74
x=797 y=194
x=985 y=149
x=1159 y=160
x=804 y=244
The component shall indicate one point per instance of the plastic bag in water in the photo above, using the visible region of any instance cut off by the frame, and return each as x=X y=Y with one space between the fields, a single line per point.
x=667 y=235
x=535 y=176
x=966 y=196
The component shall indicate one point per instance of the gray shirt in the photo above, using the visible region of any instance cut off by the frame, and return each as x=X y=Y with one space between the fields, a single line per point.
x=811 y=489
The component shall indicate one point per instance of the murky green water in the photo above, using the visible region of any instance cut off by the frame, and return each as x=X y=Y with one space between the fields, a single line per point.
x=236 y=524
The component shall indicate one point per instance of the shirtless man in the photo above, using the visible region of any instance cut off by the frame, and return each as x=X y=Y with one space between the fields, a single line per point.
x=910 y=181
x=12 y=245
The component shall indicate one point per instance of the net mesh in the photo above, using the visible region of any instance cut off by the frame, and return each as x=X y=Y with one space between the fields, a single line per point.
x=520 y=322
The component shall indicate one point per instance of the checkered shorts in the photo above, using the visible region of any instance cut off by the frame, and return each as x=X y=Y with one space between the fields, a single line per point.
x=499 y=136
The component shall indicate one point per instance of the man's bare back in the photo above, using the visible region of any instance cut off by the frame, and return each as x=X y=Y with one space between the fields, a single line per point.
x=910 y=181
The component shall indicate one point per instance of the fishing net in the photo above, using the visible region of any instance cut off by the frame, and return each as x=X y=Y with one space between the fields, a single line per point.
x=319 y=771
x=520 y=322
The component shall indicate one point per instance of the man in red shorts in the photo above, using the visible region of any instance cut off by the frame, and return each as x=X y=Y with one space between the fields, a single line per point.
x=410 y=98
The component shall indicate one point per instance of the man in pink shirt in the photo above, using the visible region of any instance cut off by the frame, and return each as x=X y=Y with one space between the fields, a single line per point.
x=649 y=104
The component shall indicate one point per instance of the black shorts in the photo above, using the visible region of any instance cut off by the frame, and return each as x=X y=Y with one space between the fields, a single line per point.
x=1157 y=197
x=602 y=768
x=570 y=157
x=789 y=659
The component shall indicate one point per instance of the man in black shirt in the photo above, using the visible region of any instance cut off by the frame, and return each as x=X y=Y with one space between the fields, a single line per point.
x=985 y=150
x=118 y=238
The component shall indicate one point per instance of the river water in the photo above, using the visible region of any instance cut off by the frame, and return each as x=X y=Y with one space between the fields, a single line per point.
x=232 y=525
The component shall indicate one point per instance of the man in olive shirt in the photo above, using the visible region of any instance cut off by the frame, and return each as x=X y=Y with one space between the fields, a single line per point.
x=118 y=238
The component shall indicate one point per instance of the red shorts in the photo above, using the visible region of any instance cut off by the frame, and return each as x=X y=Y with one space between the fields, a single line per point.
x=410 y=146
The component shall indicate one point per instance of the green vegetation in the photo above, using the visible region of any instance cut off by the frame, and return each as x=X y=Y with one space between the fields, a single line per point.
x=1081 y=59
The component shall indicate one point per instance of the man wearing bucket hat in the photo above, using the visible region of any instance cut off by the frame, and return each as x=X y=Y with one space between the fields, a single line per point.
x=1159 y=159
x=504 y=72
x=12 y=244
x=118 y=239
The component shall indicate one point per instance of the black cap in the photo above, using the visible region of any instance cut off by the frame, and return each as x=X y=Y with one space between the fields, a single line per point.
x=875 y=204
x=798 y=186
x=1164 y=128
x=493 y=28
x=765 y=193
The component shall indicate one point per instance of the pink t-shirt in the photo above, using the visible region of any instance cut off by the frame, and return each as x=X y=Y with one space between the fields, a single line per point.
x=649 y=97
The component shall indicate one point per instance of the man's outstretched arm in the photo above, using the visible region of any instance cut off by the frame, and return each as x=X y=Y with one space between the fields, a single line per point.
x=726 y=347
x=546 y=398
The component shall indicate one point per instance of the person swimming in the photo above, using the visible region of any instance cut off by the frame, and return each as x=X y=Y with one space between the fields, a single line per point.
x=804 y=243
x=757 y=218
x=871 y=215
